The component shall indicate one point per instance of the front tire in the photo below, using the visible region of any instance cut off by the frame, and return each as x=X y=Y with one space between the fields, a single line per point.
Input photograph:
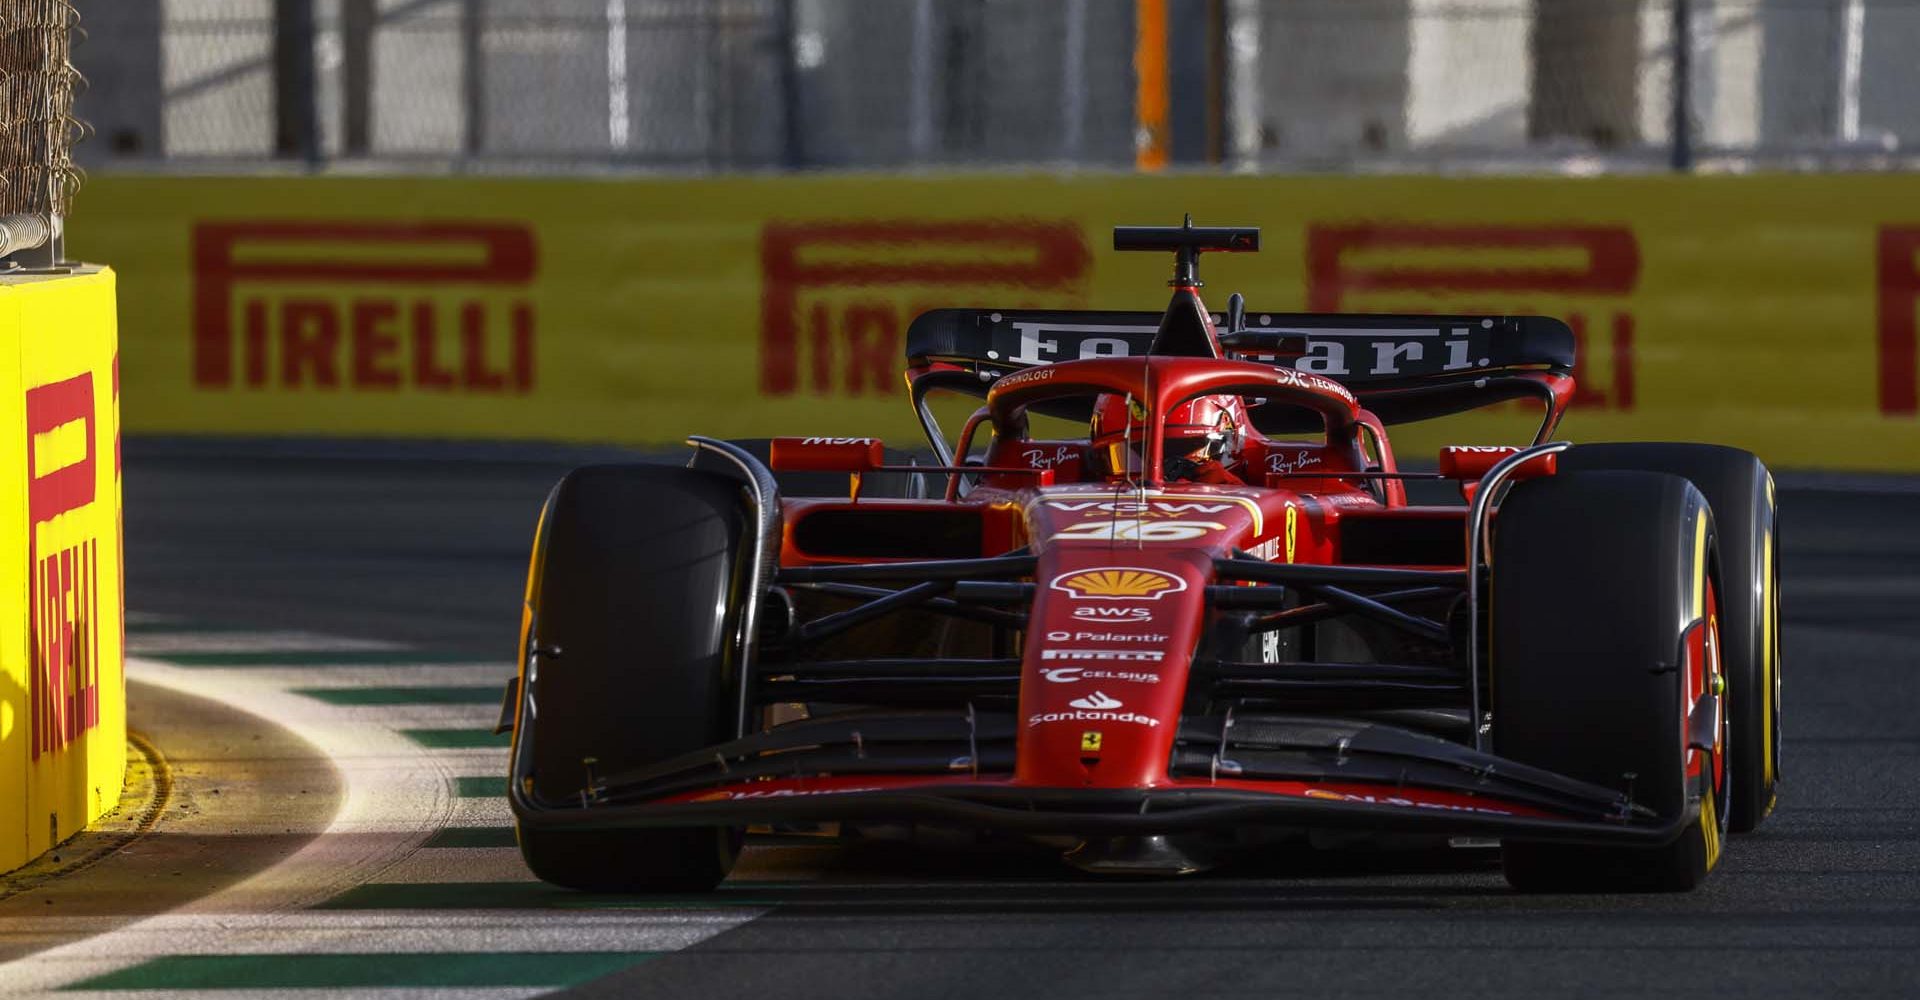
x=1740 y=490
x=626 y=660
x=1604 y=661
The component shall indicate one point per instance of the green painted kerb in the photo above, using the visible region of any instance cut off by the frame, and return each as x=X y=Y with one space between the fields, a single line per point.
x=473 y=836
x=457 y=739
x=517 y=896
x=493 y=786
x=365 y=971
x=405 y=695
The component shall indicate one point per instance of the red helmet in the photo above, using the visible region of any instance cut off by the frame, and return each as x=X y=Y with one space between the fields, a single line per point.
x=1200 y=429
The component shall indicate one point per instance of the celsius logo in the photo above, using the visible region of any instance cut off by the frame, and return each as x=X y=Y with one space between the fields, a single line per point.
x=1119 y=583
x=1097 y=701
x=1118 y=615
x=1069 y=675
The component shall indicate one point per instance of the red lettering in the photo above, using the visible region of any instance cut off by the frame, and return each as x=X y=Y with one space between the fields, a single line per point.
x=873 y=347
x=1611 y=268
x=523 y=356
x=1021 y=255
x=822 y=330
x=1623 y=385
x=375 y=343
x=427 y=373
x=256 y=346
x=1612 y=265
x=1586 y=391
x=69 y=487
x=64 y=596
x=473 y=355
x=417 y=255
x=1899 y=342
x=309 y=343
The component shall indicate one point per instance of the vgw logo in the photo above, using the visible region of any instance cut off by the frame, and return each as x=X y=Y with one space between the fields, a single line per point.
x=837 y=296
x=373 y=306
x=1583 y=274
x=63 y=562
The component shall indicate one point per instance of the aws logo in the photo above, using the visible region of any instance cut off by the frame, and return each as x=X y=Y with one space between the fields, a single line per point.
x=1118 y=583
x=1096 y=613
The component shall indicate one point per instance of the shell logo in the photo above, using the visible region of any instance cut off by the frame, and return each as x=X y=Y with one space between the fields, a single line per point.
x=1118 y=583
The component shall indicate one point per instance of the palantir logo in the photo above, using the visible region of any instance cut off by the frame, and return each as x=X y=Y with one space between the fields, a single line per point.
x=379 y=306
x=836 y=297
x=1509 y=269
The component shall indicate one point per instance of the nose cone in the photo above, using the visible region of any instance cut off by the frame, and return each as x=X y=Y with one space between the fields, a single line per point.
x=1105 y=667
x=1119 y=605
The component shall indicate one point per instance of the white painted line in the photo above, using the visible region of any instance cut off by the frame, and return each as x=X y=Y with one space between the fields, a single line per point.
x=162 y=643
x=396 y=795
x=358 y=993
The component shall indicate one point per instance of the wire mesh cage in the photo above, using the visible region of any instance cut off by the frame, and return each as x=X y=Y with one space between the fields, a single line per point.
x=758 y=84
x=37 y=125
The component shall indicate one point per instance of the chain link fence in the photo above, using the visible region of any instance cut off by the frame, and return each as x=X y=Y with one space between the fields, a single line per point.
x=768 y=84
x=37 y=126
x=37 y=131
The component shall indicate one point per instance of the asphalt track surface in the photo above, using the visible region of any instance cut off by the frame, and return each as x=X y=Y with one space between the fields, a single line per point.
x=428 y=551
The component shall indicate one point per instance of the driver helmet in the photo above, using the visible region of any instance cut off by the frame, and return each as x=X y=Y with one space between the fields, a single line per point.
x=1202 y=429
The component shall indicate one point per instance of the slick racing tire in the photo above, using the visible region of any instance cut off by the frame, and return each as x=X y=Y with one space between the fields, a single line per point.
x=1740 y=491
x=632 y=596
x=1604 y=668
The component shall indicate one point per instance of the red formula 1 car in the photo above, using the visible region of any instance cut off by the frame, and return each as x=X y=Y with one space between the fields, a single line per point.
x=1205 y=621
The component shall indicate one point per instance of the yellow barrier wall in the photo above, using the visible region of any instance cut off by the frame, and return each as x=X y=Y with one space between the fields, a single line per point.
x=62 y=690
x=1771 y=313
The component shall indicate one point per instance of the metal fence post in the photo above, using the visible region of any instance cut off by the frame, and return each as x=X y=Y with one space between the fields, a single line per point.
x=1850 y=35
x=473 y=75
x=1073 y=80
x=296 y=125
x=1682 y=85
x=356 y=76
x=920 y=81
x=793 y=149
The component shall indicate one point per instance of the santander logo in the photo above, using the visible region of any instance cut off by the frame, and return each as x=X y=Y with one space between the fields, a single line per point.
x=1097 y=701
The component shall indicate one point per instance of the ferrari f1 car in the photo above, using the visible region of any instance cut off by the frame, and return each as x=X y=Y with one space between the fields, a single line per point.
x=1209 y=622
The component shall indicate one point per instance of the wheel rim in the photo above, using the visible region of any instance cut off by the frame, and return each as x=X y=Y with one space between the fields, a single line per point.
x=1706 y=672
